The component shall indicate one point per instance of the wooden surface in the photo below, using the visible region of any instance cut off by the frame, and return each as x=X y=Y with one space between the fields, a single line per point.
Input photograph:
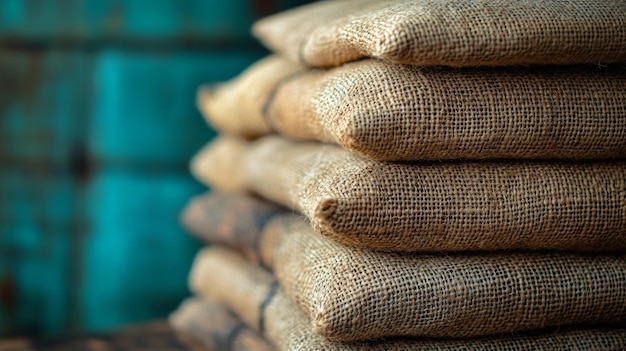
x=97 y=124
x=81 y=21
x=156 y=336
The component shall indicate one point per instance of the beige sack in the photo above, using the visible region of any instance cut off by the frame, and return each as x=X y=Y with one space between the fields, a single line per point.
x=450 y=32
x=215 y=326
x=230 y=219
x=345 y=289
x=253 y=294
x=236 y=220
x=440 y=206
x=228 y=112
x=395 y=112
x=229 y=177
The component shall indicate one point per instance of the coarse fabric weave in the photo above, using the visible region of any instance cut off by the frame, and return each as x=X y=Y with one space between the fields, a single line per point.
x=390 y=112
x=231 y=219
x=248 y=121
x=450 y=32
x=229 y=177
x=235 y=220
x=215 y=326
x=432 y=206
x=252 y=294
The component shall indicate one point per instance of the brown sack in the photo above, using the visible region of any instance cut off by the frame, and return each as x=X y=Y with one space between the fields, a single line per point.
x=228 y=112
x=253 y=294
x=354 y=294
x=230 y=219
x=440 y=206
x=392 y=112
x=344 y=289
x=229 y=176
x=215 y=326
x=450 y=32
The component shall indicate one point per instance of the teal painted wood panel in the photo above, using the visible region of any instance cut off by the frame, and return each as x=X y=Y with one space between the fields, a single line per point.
x=94 y=155
x=181 y=20
x=144 y=103
x=35 y=225
x=144 y=129
x=44 y=96
x=97 y=125
x=137 y=256
x=42 y=103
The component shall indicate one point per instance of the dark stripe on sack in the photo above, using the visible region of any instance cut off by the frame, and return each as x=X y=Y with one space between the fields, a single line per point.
x=270 y=97
x=232 y=334
x=258 y=238
x=268 y=298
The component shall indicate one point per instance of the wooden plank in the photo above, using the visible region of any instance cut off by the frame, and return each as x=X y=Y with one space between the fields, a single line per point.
x=144 y=104
x=156 y=335
x=137 y=256
x=94 y=143
x=43 y=101
x=173 y=20
x=128 y=119
x=35 y=219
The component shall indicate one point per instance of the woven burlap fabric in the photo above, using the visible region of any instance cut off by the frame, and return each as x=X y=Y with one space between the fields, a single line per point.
x=248 y=122
x=388 y=111
x=220 y=153
x=231 y=219
x=235 y=220
x=450 y=32
x=223 y=276
x=215 y=326
x=440 y=206
x=353 y=294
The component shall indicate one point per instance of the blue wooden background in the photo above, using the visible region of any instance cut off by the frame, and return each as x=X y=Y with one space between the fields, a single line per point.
x=97 y=124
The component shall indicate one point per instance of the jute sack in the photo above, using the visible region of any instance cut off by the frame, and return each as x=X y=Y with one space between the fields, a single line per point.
x=215 y=326
x=254 y=296
x=230 y=219
x=236 y=220
x=229 y=176
x=355 y=294
x=346 y=290
x=450 y=32
x=392 y=112
x=439 y=206
x=233 y=220
x=246 y=120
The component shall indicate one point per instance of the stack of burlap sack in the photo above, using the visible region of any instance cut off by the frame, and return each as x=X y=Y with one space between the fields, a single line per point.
x=418 y=175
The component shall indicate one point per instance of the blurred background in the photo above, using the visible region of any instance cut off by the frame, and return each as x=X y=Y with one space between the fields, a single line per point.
x=97 y=125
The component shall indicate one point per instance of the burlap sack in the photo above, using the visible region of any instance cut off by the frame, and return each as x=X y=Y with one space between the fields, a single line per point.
x=230 y=219
x=229 y=176
x=396 y=112
x=246 y=119
x=440 y=206
x=233 y=220
x=253 y=294
x=450 y=32
x=353 y=294
x=215 y=326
